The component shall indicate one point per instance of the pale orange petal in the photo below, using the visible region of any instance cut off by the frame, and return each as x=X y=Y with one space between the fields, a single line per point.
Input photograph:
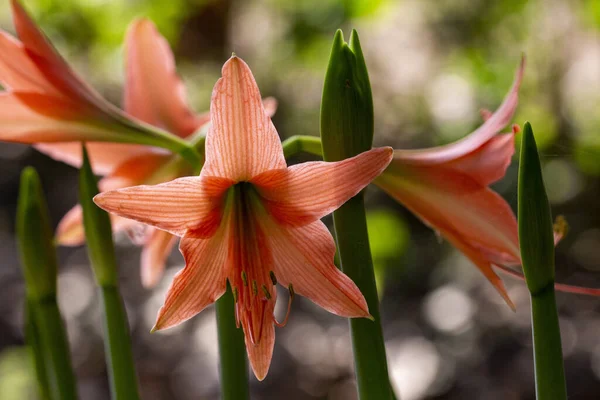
x=303 y=257
x=242 y=141
x=200 y=283
x=70 y=230
x=19 y=123
x=492 y=126
x=453 y=203
x=306 y=192
x=104 y=157
x=154 y=256
x=482 y=263
x=17 y=71
x=153 y=91
x=488 y=163
x=175 y=206
x=261 y=353
x=50 y=64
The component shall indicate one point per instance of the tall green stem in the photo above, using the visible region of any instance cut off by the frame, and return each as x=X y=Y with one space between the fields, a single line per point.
x=56 y=348
x=347 y=130
x=101 y=252
x=32 y=337
x=45 y=329
x=119 y=357
x=232 y=351
x=547 y=348
x=537 y=253
x=367 y=336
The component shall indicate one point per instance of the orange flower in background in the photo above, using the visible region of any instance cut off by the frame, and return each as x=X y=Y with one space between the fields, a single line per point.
x=251 y=220
x=447 y=188
x=45 y=102
x=154 y=94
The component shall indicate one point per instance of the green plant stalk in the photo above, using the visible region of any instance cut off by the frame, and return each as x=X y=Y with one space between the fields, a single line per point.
x=119 y=357
x=123 y=379
x=537 y=254
x=370 y=360
x=548 y=359
x=302 y=143
x=55 y=345
x=232 y=351
x=38 y=261
x=40 y=363
x=347 y=130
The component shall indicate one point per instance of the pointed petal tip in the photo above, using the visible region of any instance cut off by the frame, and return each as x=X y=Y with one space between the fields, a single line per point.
x=154 y=329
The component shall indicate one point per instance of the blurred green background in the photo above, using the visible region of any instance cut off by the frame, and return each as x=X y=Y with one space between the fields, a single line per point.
x=433 y=65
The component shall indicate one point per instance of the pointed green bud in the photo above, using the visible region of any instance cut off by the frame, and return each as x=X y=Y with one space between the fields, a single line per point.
x=347 y=103
x=98 y=231
x=536 y=237
x=35 y=238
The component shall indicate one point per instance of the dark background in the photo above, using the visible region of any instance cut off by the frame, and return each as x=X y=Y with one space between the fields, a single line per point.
x=433 y=64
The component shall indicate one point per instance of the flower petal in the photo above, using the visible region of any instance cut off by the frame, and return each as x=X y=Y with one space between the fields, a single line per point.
x=482 y=135
x=473 y=217
x=242 y=141
x=19 y=123
x=488 y=163
x=261 y=353
x=482 y=263
x=104 y=157
x=153 y=92
x=200 y=283
x=154 y=256
x=17 y=71
x=306 y=192
x=176 y=206
x=50 y=64
x=303 y=257
x=70 y=231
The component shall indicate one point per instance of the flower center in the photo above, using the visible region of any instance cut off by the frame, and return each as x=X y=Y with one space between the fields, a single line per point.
x=251 y=273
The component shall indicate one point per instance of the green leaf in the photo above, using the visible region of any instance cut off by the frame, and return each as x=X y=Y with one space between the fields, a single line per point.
x=98 y=231
x=536 y=237
x=35 y=238
x=347 y=102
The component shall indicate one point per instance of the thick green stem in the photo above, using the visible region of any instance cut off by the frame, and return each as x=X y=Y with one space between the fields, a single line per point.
x=302 y=143
x=119 y=357
x=40 y=363
x=55 y=346
x=367 y=336
x=549 y=370
x=232 y=351
x=101 y=252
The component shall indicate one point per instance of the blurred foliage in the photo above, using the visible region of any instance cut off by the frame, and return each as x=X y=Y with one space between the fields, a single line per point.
x=389 y=237
x=17 y=380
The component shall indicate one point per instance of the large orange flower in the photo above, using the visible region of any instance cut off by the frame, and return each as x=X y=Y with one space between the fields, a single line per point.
x=47 y=104
x=447 y=187
x=251 y=220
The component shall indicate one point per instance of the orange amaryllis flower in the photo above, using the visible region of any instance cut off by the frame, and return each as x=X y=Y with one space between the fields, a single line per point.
x=45 y=101
x=154 y=94
x=447 y=188
x=251 y=220
x=31 y=69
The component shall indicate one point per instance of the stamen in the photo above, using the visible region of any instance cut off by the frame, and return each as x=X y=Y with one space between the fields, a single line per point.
x=244 y=278
x=289 y=309
x=237 y=316
x=266 y=292
x=273 y=278
x=254 y=288
x=235 y=295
